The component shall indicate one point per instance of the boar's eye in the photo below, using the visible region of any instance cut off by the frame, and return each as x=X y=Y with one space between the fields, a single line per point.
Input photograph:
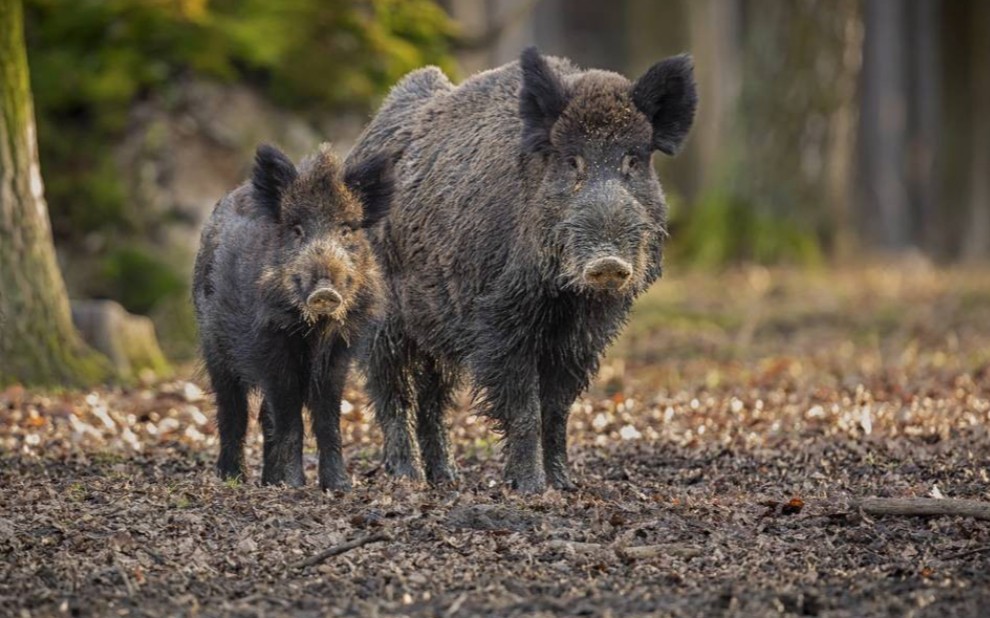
x=346 y=229
x=630 y=164
x=576 y=163
x=298 y=231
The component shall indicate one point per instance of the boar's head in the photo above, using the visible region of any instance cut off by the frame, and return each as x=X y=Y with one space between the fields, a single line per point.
x=588 y=139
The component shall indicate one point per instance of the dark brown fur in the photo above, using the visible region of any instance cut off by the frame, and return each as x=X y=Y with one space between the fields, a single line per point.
x=527 y=218
x=268 y=247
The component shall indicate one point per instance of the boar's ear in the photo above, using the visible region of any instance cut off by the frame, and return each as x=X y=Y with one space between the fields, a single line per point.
x=667 y=95
x=542 y=100
x=273 y=173
x=371 y=180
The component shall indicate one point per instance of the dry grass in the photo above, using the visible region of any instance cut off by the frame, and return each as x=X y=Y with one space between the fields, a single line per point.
x=719 y=455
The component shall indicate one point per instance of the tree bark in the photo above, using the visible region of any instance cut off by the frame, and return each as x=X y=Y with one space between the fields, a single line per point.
x=976 y=242
x=38 y=344
x=884 y=121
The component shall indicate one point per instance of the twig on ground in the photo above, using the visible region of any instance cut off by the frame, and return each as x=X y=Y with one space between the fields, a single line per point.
x=646 y=552
x=967 y=552
x=342 y=548
x=576 y=546
x=123 y=574
x=919 y=507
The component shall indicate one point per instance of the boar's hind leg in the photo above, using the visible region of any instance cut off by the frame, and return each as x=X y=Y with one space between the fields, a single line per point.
x=325 y=392
x=511 y=398
x=232 y=421
x=434 y=388
x=390 y=386
x=281 y=420
x=560 y=384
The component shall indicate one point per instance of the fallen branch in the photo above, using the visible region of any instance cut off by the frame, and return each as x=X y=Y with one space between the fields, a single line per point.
x=342 y=548
x=577 y=547
x=967 y=553
x=919 y=507
x=646 y=552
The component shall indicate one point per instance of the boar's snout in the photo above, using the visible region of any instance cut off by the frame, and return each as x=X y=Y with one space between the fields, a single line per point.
x=324 y=299
x=607 y=273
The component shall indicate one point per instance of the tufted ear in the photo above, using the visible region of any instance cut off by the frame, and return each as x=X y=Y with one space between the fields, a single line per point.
x=372 y=181
x=667 y=95
x=542 y=99
x=273 y=173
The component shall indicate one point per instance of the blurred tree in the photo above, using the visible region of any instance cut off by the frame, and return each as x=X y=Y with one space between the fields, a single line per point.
x=780 y=181
x=38 y=343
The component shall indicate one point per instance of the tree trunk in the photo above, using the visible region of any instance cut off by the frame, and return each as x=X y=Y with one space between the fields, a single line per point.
x=38 y=344
x=976 y=242
x=884 y=120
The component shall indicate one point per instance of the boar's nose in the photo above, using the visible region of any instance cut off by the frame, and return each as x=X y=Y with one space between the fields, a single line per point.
x=323 y=299
x=607 y=273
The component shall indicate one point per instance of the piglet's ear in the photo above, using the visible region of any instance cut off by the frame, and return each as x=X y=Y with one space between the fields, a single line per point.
x=667 y=95
x=372 y=181
x=542 y=100
x=273 y=173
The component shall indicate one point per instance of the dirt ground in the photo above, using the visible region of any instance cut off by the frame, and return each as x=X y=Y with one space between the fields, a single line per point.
x=720 y=455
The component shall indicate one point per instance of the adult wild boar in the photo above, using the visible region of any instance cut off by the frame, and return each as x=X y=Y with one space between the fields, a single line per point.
x=527 y=218
x=285 y=283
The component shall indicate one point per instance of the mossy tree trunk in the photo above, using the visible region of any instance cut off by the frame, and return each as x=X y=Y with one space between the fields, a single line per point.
x=38 y=344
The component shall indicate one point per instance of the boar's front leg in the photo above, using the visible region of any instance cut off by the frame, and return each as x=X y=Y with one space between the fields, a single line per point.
x=390 y=386
x=281 y=419
x=511 y=396
x=560 y=384
x=325 y=393
x=434 y=390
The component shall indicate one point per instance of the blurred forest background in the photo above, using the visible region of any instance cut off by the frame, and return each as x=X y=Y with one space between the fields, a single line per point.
x=829 y=130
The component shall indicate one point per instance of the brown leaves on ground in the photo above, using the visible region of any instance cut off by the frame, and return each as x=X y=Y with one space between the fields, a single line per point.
x=718 y=457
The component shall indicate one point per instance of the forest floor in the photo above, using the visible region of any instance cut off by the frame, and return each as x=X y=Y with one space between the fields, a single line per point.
x=720 y=455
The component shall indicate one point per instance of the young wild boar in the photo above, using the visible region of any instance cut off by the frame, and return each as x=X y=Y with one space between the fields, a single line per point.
x=527 y=218
x=285 y=281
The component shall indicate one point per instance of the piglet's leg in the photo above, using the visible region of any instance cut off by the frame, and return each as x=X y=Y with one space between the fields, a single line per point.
x=232 y=421
x=325 y=393
x=281 y=418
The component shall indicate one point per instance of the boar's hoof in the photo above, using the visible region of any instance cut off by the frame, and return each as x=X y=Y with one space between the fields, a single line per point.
x=562 y=482
x=441 y=475
x=336 y=484
x=529 y=484
x=403 y=469
x=324 y=300
x=607 y=273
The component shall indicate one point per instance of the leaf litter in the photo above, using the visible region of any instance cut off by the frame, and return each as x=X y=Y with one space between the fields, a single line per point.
x=721 y=456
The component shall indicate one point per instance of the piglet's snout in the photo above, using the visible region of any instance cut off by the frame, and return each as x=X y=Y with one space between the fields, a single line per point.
x=324 y=299
x=607 y=273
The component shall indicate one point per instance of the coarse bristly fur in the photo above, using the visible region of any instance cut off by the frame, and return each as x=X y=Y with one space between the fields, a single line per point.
x=270 y=255
x=527 y=218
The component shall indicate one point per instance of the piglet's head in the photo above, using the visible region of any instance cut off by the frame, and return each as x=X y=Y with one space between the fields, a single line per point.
x=320 y=212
